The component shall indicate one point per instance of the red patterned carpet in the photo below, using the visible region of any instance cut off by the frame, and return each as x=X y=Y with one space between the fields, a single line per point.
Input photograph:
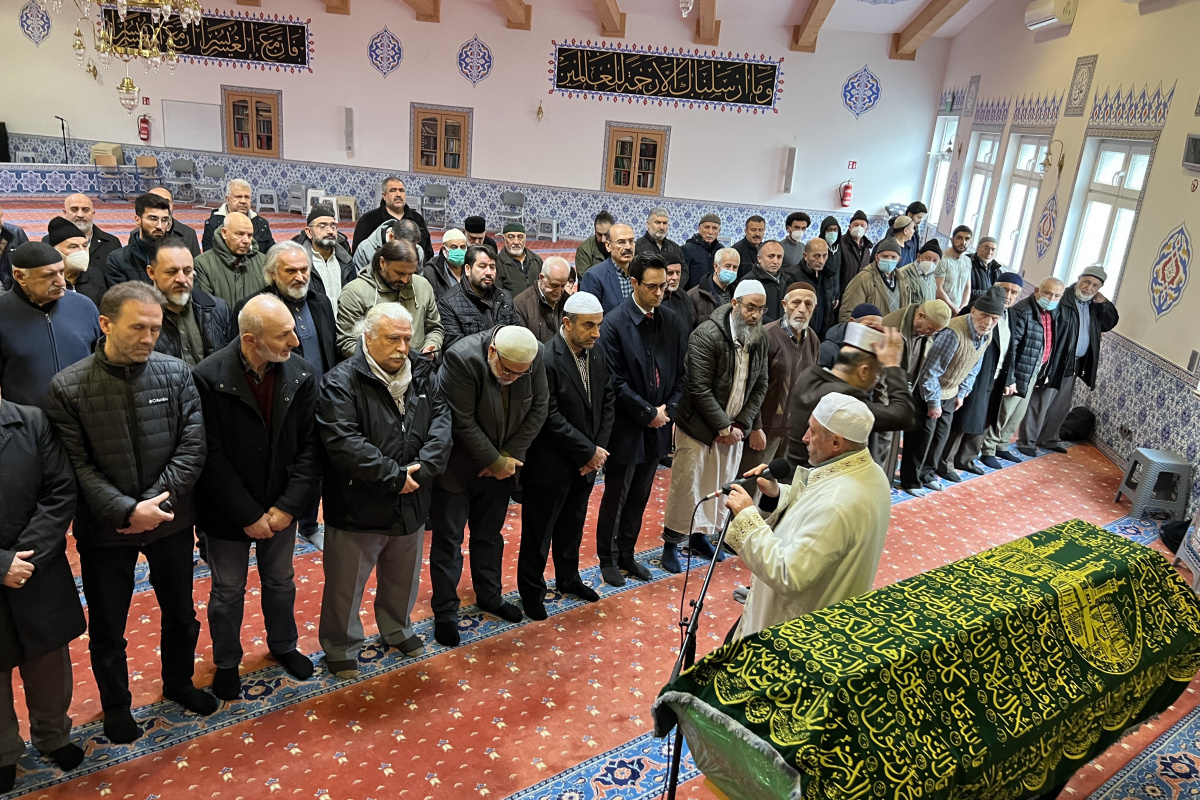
x=514 y=706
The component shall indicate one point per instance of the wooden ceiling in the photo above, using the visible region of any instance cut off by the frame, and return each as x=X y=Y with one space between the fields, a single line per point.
x=519 y=15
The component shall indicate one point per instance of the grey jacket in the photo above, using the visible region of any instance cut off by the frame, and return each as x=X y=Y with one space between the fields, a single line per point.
x=368 y=290
x=367 y=250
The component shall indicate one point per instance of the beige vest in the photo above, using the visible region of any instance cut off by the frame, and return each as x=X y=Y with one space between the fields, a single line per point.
x=965 y=357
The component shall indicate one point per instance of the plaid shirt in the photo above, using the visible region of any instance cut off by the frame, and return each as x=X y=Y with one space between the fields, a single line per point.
x=941 y=349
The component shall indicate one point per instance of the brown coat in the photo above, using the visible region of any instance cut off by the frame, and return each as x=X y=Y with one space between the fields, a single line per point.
x=786 y=359
x=537 y=315
x=868 y=286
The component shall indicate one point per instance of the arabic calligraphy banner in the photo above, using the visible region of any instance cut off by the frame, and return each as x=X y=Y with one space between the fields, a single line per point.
x=262 y=42
x=993 y=678
x=667 y=76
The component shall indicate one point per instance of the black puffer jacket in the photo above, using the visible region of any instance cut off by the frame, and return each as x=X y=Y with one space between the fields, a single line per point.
x=1102 y=317
x=1028 y=339
x=132 y=432
x=465 y=313
x=212 y=317
x=709 y=366
x=698 y=259
x=368 y=445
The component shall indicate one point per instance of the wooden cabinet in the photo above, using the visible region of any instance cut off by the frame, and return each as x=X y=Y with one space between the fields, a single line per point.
x=252 y=124
x=636 y=161
x=440 y=141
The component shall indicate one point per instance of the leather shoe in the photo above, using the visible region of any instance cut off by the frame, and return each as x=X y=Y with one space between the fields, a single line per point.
x=1008 y=455
x=635 y=569
x=933 y=485
x=580 y=590
x=949 y=475
x=1030 y=452
x=1055 y=446
x=612 y=576
x=915 y=491
x=991 y=462
x=972 y=468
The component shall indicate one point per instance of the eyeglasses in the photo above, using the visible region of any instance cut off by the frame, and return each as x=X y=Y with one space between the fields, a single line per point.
x=654 y=287
x=754 y=309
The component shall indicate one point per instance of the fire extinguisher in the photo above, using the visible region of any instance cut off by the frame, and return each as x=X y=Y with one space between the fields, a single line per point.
x=144 y=127
x=847 y=190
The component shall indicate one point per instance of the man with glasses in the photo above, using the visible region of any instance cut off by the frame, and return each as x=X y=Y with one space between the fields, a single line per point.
x=152 y=214
x=495 y=384
x=541 y=305
x=726 y=382
x=332 y=265
x=609 y=280
x=643 y=344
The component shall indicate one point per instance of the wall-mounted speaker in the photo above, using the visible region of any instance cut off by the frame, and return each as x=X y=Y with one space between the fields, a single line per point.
x=789 y=171
x=349 y=131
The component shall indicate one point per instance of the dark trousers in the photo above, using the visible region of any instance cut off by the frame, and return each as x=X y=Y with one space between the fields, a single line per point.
x=230 y=563
x=307 y=525
x=923 y=447
x=108 y=580
x=47 y=683
x=551 y=516
x=482 y=506
x=627 y=490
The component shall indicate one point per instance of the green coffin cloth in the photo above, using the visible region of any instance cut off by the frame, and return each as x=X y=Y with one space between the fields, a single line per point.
x=993 y=678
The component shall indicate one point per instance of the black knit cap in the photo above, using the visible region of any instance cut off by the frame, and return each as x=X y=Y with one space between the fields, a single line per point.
x=991 y=301
x=860 y=214
x=932 y=246
x=59 y=229
x=32 y=255
x=319 y=211
x=475 y=225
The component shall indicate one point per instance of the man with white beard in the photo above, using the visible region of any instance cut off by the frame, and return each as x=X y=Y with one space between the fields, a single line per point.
x=791 y=348
x=195 y=324
x=517 y=267
x=724 y=388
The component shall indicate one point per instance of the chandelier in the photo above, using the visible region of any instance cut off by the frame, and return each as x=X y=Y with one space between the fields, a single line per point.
x=155 y=44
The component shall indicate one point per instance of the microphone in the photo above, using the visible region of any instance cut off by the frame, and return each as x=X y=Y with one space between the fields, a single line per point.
x=779 y=468
x=56 y=116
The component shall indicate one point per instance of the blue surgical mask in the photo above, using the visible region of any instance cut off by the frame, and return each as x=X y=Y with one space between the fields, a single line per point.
x=831 y=237
x=888 y=265
x=1049 y=305
x=727 y=276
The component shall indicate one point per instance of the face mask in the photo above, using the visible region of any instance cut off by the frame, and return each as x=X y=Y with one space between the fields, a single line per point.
x=456 y=257
x=831 y=237
x=927 y=267
x=727 y=276
x=857 y=233
x=77 y=261
x=1049 y=305
x=796 y=235
x=887 y=265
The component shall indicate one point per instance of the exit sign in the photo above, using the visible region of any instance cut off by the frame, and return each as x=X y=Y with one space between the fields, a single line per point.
x=852 y=165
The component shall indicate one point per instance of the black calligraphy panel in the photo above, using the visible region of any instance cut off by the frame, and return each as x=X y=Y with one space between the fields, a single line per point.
x=665 y=76
x=266 y=42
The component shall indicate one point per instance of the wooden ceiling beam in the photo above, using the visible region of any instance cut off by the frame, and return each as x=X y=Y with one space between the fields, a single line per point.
x=427 y=10
x=249 y=2
x=518 y=13
x=708 y=27
x=612 y=19
x=932 y=17
x=337 y=6
x=804 y=35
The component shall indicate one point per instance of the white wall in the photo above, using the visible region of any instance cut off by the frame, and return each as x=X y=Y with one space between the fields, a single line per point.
x=721 y=156
x=1138 y=45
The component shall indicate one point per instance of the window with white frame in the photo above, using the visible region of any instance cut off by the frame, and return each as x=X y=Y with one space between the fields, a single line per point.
x=971 y=211
x=1023 y=185
x=941 y=154
x=1110 y=207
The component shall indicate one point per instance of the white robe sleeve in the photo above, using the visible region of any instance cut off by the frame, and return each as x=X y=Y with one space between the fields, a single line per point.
x=792 y=562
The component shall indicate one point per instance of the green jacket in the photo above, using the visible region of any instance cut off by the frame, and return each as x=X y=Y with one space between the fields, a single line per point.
x=369 y=289
x=229 y=277
x=710 y=366
x=588 y=255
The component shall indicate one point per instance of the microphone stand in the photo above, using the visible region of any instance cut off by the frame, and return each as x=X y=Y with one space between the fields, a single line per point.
x=687 y=653
x=66 y=158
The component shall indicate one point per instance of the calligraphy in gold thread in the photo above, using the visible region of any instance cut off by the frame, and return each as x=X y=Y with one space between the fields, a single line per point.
x=256 y=41
x=665 y=76
x=983 y=679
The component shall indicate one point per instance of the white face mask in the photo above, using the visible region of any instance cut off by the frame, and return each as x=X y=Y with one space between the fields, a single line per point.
x=77 y=261
x=857 y=232
x=927 y=267
x=797 y=235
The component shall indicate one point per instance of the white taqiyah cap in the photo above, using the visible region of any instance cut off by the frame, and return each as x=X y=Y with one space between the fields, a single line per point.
x=846 y=416
x=862 y=337
x=517 y=344
x=454 y=235
x=749 y=287
x=583 y=303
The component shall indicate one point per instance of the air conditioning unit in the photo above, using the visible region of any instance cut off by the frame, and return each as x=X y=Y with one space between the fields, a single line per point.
x=1046 y=14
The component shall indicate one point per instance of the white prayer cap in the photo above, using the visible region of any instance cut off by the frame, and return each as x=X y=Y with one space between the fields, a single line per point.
x=454 y=235
x=846 y=416
x=583 y=303
x=862 y=337
x=517 y=344
x=749 y=287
